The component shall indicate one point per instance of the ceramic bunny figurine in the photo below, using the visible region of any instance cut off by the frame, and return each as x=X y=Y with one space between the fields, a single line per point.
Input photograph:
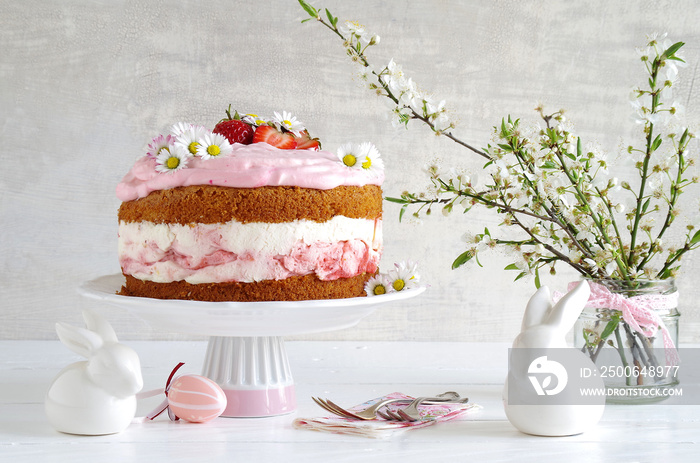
x=96 y=396
x=545 y=327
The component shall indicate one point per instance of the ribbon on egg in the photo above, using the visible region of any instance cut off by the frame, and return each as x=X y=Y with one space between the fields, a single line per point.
x=165 y=404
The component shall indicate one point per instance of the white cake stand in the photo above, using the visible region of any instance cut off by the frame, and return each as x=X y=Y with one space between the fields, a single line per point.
x=246 y=354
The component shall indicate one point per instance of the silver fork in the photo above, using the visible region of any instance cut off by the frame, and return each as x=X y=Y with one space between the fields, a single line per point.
x=411 y=413
x=370 y=413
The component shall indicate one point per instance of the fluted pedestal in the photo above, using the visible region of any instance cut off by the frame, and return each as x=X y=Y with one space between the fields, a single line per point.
x=254 y=374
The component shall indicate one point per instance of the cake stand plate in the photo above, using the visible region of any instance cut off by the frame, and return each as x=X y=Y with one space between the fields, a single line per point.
x=245 y=354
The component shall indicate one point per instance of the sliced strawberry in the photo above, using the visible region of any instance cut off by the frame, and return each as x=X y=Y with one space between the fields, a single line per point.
x=305 y=142
x=234 y=129
x=272 y=136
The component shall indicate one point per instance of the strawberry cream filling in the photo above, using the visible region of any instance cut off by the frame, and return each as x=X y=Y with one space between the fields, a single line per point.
x=215 y=253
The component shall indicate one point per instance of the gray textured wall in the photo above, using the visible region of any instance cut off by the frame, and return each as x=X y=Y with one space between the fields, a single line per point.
x=85 y=84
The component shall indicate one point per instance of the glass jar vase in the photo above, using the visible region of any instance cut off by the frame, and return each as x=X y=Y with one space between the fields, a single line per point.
x=629 y=329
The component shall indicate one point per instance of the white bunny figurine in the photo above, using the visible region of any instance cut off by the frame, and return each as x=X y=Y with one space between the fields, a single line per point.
x=545 y=327
x=96 y=396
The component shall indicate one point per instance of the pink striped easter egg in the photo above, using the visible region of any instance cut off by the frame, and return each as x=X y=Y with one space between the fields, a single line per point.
x=196 y=399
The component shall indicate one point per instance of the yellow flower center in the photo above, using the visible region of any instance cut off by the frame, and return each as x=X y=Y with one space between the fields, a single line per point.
x=349 y=160
x=192 y=147
x=172 y=162
x=165 y=148
x=287 y=123
x=398 y=284
x=379 y=289
x=213 y=150
x=367 y=164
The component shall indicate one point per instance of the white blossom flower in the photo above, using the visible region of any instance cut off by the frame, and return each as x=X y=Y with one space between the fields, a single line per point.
x=353 y=28
x=365 y=72
x=370 y=40
x=171 y=160
x=213 y=145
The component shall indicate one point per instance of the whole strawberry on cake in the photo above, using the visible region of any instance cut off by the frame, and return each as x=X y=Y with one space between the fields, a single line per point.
x=253 y=210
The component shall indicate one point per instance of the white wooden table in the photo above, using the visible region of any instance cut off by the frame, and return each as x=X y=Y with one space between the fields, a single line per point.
x=349 y=373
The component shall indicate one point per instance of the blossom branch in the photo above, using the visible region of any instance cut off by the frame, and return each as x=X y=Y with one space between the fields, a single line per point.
x=549 y=188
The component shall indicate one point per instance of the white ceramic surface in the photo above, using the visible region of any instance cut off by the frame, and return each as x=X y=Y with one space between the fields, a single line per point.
x=277 y=318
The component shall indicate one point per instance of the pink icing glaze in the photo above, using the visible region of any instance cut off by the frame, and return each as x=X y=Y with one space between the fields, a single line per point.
x=248 y=166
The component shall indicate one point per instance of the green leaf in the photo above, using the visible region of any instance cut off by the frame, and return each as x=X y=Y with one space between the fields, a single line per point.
x=610 y=327
x=396 y=200
x=695 y=239
x=463 y=258
x=537 y=278
x=511 y=267
x=657 y=143
x=333 y=20
x=670 y=51
x=313 y=12
x=579 y=149
x=522 y=274
x=402 y=212
x=645 y=206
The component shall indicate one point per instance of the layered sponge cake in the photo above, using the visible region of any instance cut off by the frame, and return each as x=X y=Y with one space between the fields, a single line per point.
x=252 y=219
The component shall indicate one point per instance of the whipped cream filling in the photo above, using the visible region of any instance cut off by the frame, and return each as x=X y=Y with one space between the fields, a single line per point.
x=215 y=253
x=248 y=166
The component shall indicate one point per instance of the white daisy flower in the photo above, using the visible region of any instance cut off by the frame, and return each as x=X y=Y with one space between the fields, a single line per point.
x=351 y=155
x=213 y=145
x=253 y=120
x=189 y=138
x=378 y=285
x=159 y=144
x=404 y=276
x=372 y=160
x=288 y=122
x=179 y=127
x=172 y=160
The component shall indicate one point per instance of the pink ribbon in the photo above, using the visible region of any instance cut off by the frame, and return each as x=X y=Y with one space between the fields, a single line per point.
x=639 y=312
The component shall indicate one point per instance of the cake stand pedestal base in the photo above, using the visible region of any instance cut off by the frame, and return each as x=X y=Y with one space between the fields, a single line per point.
x=246 y=354
x=254 y=374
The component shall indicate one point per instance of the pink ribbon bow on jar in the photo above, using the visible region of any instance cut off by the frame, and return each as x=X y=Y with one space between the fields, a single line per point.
x=639 y=312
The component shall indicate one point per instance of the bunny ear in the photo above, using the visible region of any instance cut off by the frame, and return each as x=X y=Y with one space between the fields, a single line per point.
x=99 y=325
x=81 y=341
x=539 y=305
x=567 y=310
